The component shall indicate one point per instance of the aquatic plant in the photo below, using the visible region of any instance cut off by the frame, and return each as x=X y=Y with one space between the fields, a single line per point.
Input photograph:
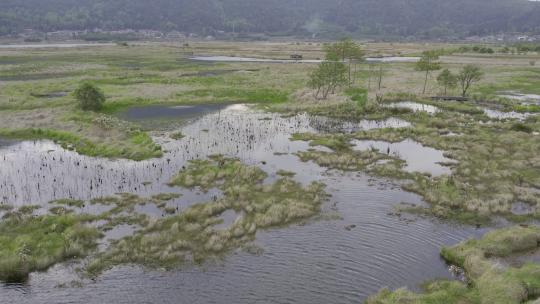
x=177 y=135
x=30 y=243
x=141 y=144
x=190 y=237
x=489 y=280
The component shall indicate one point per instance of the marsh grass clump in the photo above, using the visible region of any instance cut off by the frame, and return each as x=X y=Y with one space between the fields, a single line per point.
x=137 y=145
x=347 y=161
x=499 y=284
x=90 y=97
x=122 y=202
x=68 y=203
x=489 y=280
x=164 y=197
x=493 y=166
x=59 y=210
x=499 y=243
x=448 y=292
x=190 y=236
x=521 y=127
x=216 y=172
x=177 y=135
x=285 y=173
x=28 y=209
x=335 y=142
x=30 y=244
x=343 y=157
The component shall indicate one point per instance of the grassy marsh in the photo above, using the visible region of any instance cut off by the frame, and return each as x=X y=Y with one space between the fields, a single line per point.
x=35 y=243
x=190 y=237
x=488 y=280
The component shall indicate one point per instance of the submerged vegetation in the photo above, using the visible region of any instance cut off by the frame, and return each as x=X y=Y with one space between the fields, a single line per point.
x=191 y=238
x=139 y=145
x=492 y=162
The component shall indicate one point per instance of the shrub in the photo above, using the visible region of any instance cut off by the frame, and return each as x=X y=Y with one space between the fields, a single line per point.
x=90 y=97
x=521 y=127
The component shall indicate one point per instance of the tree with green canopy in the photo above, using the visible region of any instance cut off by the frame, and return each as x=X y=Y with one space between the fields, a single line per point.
x=330 y=73
x=428 y=62
x=346 y=50
x=447 y=80
x=468 y=76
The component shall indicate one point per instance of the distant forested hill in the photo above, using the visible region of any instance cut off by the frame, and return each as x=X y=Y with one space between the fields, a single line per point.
x=323 y=17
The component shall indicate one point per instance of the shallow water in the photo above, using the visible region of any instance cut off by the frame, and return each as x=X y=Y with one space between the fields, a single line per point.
x=495 y=114
x=523 y=98
x=418 y=157
x=415 y=106
x=268 y=60
x=321 y=262
x=158 y=112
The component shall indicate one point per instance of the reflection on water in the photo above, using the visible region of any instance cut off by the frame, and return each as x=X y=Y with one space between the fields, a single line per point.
x=418 y=158
x=523 y=98
x=495 y=114
x=321 y=262
x=414 y=106
x=41 y=171
x=159 y=112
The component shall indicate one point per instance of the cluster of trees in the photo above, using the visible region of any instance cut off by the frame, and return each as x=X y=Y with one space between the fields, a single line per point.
x=337 y=70
x=466 y=77
x=420 y=18
x=476 y=49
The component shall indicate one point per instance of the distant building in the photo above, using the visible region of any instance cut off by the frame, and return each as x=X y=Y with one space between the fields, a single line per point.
x=62 y=35
x=150 y=34
x=31 y=34
x=175 y=35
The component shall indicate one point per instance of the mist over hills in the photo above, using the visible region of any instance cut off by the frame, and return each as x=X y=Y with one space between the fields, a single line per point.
x=402 y=18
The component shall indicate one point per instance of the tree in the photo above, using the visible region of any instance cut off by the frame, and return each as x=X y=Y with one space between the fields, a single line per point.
x=348 y=51
x=447 y=80
x=330 y=74
x=427 y=63
x=468 y=76
x=90 y=97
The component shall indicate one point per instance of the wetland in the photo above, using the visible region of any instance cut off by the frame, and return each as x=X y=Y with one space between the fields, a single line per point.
x=225 y=181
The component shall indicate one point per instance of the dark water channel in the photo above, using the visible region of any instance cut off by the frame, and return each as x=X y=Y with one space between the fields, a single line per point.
x=320 y=262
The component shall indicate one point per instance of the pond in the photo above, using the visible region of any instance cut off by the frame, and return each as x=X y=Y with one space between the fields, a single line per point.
x=523 y=98
x=418 y=157
x=163 y=112
x=496 y=114
x=414 y=106
x=325 y=261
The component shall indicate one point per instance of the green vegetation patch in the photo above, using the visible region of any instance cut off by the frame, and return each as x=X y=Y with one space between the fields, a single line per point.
x=191 y=238
x=35 y=243
x=490 y=282
x=141 y=144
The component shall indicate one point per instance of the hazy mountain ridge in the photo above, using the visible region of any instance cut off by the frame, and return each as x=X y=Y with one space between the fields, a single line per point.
x=362 y=17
